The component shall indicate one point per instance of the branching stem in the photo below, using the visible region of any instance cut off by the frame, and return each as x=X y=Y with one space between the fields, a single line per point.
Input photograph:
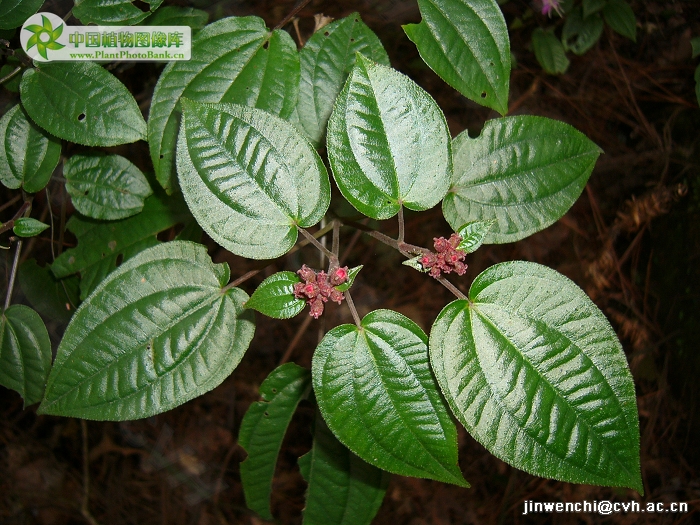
x=353 y=310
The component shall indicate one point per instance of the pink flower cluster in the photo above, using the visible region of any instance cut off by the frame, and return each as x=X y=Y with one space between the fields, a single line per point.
x=317 y=288
x=548 y=5
x=447 y=259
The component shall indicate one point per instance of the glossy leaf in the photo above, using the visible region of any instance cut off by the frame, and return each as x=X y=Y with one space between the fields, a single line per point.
x=25 y=352
x=580 y=32
x=233 y=60
x=343 y=489
x=525 y=172
x=536 y=374
x=388 y=143
x=326 y=60
x=28 y=227
x=28 y=155
x=466 y=43
x=249 y=178
x=263 y=428
x=620 y=17
x=157 y=332
x=473 y=235
x=54 y=299
x=592 y=6
x=14 y=13
x=274 y=296
x=102 y=245
x=172 y=15
x=105 y=187
x=114 y=12
x=83 y=103
x=549 y=52
x=352 y=273
x=377 y=394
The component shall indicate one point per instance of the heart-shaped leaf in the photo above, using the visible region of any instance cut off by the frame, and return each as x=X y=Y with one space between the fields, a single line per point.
x=105 y=187
x=83 y=103
x=28 y=155
x=536 y=374
x=249 y=178
x=525 y=172
x=274 y=296
x=114 y=12
x=466 y=43
x=157 y=332
x=233 y=60
x=263 y=428
x=377 y=394
x=388 y=143
x=25 y=352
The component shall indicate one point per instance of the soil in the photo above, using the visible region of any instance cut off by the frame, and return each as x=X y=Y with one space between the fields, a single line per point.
x=632 y=241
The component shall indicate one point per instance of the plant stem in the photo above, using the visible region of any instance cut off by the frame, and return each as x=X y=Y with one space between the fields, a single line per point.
x=301 y=4
x=13 y=275
x=9 y=76
x=11 y=223
x=401 y=224
x=331 y=256
x=84 y=509
x=353 y=310
x=452 y=288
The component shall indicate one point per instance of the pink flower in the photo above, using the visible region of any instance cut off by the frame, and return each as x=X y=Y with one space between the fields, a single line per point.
x=447 y=258
x=549 y=5
x=318 y=288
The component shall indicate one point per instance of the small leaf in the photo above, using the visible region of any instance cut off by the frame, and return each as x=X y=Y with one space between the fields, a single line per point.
x=620 y=17
x=592 y=6
x=172 y=15
x=105 y=187
x=343 y=489
x=525 y=172
x=114 y=12
x=473 y=234
x=28 y=227
x=415 y=264
x=377 y=394
x=581 y=33
x=263 y=428
x=466 y=43
x=352 y=273
x=234 y=60
x=388 y=143
x=326 y=59
x=274 y=296
x=83 y=103
x=25 y=353
x=179 y=336
x=534 y=371
x=249 y=178
x=549 y=52
x=28 y=155
x=14 y=13
x=54 y=299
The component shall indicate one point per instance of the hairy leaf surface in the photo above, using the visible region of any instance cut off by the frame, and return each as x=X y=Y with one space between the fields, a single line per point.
x=524 y=172
x=157 y=332
x=13 y=13
x=113 y=12
x=536 y=374
x=28 y=227
x=274 y=296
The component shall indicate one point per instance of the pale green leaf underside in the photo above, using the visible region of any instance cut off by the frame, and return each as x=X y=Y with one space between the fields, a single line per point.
x=230 y=63
x=388 y=143
x=249 y=178
x=326 y=59
x=274 y=296
x=466 y=43
x=105 y=187
x=524 y=172
x=83 y=103
x=263 y=428
x=157 y=332
x=343 y=489
x=13 y=13
x=112 y=12
x=536 y=374
x=377 y=394
x=25 y=353
x=28 y=155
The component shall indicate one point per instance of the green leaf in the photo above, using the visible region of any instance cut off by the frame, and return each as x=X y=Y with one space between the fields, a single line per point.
x=263 y=428
x=376 y=392
x=172 y=15
x=581 y=33
x=473 y=234
x=83 y=103
x=28 y=155
x=157 y=332
x=620 y=17
x=326 y=60
x=233 y=60
x=352 y=273
x=274 y=296
x=592 y=6
x=249 y=178
x=343 y=489
x=388 y=143
x=525 y=172
x=101 y=245
x=549 y=52
x=52 y=298
x=695 y=45
x=25 y=352
x=105 y=187
x=28 y=227
x=466 y=43
x=536 y=374
x=114 y=12
x=14 y=13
